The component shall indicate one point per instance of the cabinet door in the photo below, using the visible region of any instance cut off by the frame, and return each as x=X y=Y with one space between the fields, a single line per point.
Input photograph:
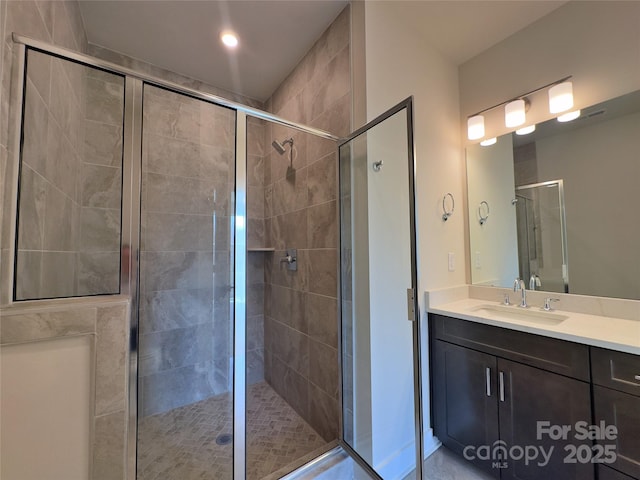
x=465 y=405
x=530 y=396
x=623 y=411
x=606 y=473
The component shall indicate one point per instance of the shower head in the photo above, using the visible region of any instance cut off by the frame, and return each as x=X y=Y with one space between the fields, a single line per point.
x=279 y=147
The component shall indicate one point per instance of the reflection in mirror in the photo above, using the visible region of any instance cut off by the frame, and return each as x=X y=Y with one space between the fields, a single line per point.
x=563 y=204
x=70 y=185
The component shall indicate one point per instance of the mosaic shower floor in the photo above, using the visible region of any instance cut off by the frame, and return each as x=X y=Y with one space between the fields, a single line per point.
x=181 y=444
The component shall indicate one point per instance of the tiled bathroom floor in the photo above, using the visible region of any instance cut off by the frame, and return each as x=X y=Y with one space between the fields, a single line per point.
x=181 y=444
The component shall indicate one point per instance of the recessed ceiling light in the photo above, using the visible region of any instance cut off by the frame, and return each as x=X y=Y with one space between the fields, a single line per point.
x=567 y=117
x=526 y=130
x=229 y=39
x=488 y=142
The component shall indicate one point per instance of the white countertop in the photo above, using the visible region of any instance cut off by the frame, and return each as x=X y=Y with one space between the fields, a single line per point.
x=600 y=331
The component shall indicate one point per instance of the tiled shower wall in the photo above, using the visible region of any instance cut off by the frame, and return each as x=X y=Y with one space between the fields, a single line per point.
x=186 y=267
x=60 y=23
x=71 y=181
x=301 y=358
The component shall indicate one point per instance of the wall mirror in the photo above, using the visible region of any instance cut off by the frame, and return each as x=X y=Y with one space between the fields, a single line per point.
x=564 y=204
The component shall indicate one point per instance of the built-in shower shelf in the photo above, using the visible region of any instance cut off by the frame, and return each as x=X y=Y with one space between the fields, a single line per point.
x=261 y=249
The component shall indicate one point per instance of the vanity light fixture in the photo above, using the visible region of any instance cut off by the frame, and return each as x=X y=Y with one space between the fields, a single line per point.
x=514 y=113
x=561 y=97
x=488 y=142
x=475 y=127
x=526 y=130
x=560 y=100
x=567 y=117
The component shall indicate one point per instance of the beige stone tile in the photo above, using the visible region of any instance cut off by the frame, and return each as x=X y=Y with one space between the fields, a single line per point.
x=60 y=221
x=38 y=326
x=323 y=413
x=337 y=118
x=321 y=313
x=63 y=164
x=322 y=180
x=58 y=278
x=329 y=84
x=36 y=120
x=196 y=232
x=77 y=25
x=102 y=144
x=28 y=273
x=322 y=226
x=32 y=210
x=255 y=170
x=99 y=230
x=101 y=186
x=255 y=202
x=112 y=344
x=323 y=367
x=25 y=18
x=62 y=30
x=322 y=272
x=39 y=72
x=109 y=447
x=105 y=102
x=291 y=386
x=288 y=307
x=98 y=273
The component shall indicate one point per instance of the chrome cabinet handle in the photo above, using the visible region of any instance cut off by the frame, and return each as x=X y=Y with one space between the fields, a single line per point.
x=637 y=377
x=502 y=386
x=488 y=379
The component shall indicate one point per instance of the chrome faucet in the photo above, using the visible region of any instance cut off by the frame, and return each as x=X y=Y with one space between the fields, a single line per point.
x=518 y=284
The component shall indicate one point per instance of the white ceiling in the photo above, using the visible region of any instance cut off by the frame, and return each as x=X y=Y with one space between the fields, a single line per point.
x=183 y=35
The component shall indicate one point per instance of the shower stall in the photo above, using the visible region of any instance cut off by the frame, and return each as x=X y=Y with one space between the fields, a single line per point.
x=220 y=224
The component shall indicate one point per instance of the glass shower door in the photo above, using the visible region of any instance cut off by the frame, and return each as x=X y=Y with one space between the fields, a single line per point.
x=380 y=357
x=185 y=372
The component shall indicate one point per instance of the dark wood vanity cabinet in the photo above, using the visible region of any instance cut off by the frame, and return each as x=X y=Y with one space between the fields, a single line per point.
x=490 y=387
x=616 y=400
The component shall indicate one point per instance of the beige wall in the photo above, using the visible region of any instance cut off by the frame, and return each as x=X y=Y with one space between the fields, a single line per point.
x=597 y=42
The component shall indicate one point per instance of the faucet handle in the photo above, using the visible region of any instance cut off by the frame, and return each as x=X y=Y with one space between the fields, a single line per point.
x=506 y=300
x=547 y=303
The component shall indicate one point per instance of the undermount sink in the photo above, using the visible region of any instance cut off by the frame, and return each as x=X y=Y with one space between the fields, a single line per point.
x=530 y=314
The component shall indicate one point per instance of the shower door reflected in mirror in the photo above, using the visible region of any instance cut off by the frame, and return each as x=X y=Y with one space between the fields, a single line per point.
x=542 y=239
x=381 y=417
x=185 y=382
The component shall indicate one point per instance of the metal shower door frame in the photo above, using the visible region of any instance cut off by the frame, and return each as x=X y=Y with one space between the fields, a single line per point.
x=407 y=105
x=130 y=237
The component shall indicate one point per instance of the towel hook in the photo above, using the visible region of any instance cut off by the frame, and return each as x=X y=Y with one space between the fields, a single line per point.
x=483 y=217
x=447 y=213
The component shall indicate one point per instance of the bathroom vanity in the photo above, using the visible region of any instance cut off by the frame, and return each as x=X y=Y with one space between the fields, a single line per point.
x=553 y=395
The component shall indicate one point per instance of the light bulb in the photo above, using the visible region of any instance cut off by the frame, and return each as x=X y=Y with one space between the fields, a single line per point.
x=526 y=130
x=489 y=141
x=561 y=97
x=475 y=127
x=567 y=117
x=514 y=113
x=229 y=39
